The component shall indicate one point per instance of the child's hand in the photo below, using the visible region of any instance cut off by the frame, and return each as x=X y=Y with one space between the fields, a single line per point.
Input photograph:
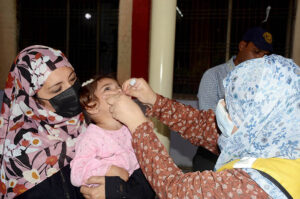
x=139 y=88
x=118 y=171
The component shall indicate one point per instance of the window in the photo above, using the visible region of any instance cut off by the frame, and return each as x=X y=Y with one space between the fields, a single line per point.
x=86 y=31
x=201 y=35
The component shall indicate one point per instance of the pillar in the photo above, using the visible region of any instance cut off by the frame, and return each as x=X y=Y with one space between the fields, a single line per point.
x=162 y=39
x=8 y=37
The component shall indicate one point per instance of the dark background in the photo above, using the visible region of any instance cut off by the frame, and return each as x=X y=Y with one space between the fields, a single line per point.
x=91 y=45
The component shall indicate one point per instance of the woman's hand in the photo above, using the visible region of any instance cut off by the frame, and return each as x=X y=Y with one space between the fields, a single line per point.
x=117 y=171
x=124 y=109
x=141 y=90
x=97 y=191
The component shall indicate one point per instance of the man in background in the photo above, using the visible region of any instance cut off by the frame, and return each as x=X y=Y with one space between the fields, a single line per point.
x=256 y=43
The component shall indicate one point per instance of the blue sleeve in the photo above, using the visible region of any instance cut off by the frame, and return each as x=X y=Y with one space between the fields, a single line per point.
x=208 y=91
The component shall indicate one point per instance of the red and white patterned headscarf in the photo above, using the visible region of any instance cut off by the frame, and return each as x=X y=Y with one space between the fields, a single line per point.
x=34 y=142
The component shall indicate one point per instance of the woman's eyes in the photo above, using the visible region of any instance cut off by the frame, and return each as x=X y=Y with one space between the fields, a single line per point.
x=57 y=90
x=73 y=79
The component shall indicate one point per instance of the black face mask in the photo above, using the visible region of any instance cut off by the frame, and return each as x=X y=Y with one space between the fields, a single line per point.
x=67 y=103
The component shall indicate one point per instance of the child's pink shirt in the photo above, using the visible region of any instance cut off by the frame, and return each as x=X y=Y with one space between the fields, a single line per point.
x=97 y=149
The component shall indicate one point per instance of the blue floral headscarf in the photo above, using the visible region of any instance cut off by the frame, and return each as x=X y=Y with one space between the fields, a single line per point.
x=263 y=99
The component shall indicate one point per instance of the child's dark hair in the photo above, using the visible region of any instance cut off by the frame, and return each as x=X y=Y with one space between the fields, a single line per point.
x=87 y=92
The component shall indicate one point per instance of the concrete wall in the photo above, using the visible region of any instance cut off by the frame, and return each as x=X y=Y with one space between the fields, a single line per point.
x=8 y=37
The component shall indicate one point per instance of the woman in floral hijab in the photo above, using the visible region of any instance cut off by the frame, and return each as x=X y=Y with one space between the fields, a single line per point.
x=263 y=99
x=36 y=143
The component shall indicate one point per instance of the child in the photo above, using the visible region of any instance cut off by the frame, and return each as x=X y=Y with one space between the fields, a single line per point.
x=106 y=142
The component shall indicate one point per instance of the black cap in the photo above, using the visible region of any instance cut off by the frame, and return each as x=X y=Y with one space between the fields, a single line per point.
x=260 y=37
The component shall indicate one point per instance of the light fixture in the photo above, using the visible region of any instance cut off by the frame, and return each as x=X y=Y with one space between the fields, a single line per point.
x=88 y=16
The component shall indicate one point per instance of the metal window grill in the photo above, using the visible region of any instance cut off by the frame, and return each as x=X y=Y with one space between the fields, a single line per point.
x=207 y=33
x=86 y=31
x=202 y=41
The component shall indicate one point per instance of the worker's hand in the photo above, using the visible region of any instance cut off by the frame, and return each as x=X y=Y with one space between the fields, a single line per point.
x=139 y=88
x=124 y=109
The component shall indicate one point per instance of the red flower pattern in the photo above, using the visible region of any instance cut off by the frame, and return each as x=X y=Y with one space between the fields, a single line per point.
x=2 y=109
x=2 y=188
x=51 y=118
x=38 y=55
x=42 y=117
x=51 y=160
x=19 y=83
x=9 y=81
x=16 y=126
x=25 y=143
x=35 y=117
x=81 y=117
x=19 y=189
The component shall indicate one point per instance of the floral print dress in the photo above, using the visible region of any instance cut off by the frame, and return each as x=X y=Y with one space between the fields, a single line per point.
x=263 y=99
x=166 y=178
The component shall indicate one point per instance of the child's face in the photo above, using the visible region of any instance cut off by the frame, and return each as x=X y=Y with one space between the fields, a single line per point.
x=106 y=87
